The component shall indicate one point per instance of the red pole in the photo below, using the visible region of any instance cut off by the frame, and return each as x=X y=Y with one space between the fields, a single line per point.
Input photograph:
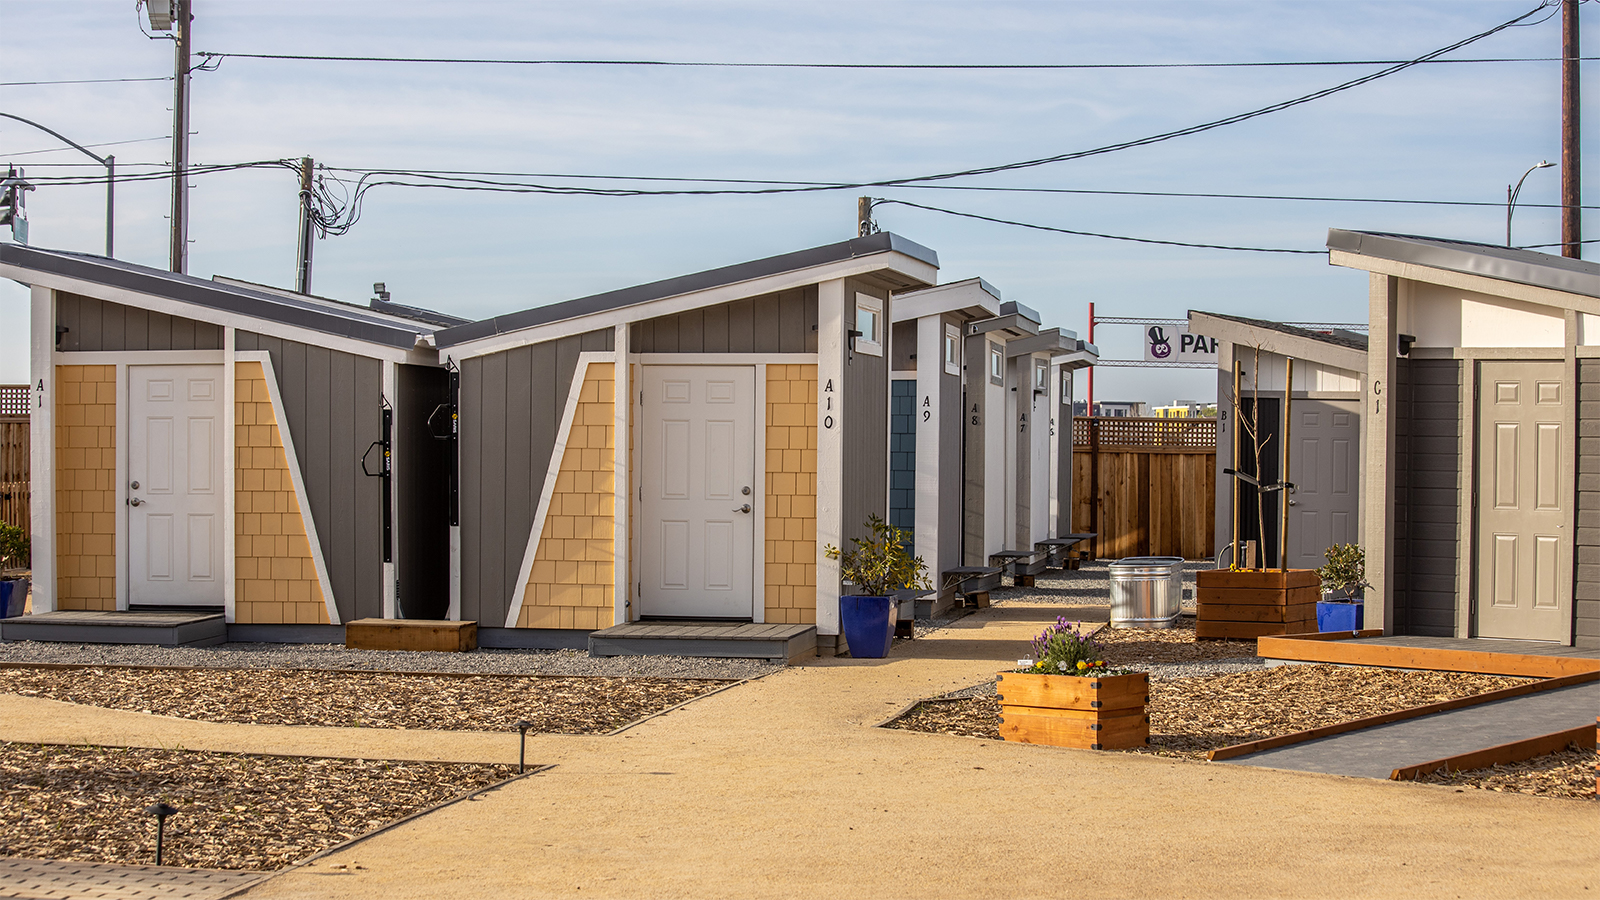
x=1089 y=404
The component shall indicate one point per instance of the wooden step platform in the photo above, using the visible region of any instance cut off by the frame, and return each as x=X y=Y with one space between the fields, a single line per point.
x=411 y=634
x=776 y=643
x=165 y=629
x=1373 y=648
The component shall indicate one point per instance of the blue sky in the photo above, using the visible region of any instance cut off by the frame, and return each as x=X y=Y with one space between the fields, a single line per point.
x=1447 y=132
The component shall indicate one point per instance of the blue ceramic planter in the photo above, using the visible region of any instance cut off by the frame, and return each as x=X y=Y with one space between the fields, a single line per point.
x=1339 y=615
x=868 y=625
x=13 y=597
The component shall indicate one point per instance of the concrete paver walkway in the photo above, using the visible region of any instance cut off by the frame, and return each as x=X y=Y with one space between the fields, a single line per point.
x=1378 y=751
x=779 y=788
x=42 y=879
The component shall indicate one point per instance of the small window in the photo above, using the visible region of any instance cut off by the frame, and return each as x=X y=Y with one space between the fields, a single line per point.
x=1066 y=387
x=869 y=321
x=997 y=364
x=1041 y=376
x=952 y=350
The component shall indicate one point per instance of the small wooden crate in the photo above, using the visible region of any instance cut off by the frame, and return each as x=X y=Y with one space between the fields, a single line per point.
x=1093 y=713
x=411 y=634
x=1247 y=605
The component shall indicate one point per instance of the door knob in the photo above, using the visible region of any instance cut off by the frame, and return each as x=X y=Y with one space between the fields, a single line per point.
x=744 y=509
x=135 y=501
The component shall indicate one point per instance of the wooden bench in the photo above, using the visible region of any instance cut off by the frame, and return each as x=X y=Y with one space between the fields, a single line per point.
x=1021 y=565
x=973 y=583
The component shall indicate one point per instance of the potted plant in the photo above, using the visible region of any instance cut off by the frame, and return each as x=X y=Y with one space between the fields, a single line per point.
x=1066 y=696
x=876 y=567
x=13 y=555
x=1344 y=585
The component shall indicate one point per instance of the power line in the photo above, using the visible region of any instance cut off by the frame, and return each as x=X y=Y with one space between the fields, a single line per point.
x=102 y=144
x=959 y=67
x=1114 y=237
x=83 y=81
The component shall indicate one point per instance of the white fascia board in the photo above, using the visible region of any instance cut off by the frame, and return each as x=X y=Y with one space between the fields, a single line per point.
x=1478 y=283
x=1079 y=359
x=967 y=297
x=239 y=321
x=537 y=334
x=328 y=303
x=1271 y=341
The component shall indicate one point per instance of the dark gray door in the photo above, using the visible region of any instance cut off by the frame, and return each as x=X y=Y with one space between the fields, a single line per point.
x=1324 y=465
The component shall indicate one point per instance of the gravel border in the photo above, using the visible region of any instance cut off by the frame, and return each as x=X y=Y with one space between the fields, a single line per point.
x=337 y=657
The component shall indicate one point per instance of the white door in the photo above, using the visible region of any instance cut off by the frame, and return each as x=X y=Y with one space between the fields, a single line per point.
x=697 y=500
x=176 y=512
x=1523 y=573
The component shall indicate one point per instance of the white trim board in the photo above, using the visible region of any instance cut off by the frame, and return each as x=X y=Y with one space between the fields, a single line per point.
x=42 y=447
x=622 y=410
x=119 y=494
x=230 y=499
x=245 y=322
x=519 y=589
x=723 y=359
x=852 y=268
x=1481 y=284
x=143 y=357
x=296 y=476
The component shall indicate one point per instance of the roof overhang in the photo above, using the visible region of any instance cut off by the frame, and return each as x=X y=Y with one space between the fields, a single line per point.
x=883 y=259
x=1011 y=326
x=294 y=318
x=1500 y=271
x=1281 y=343
x=973 y=299
x=1051 y=340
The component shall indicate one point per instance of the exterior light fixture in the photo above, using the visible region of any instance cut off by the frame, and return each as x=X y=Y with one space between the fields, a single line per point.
x=522 y=746
x=1511 y=196
x=161 y=811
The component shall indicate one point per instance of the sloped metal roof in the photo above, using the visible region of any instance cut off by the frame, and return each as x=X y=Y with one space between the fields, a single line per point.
x=1530 y=267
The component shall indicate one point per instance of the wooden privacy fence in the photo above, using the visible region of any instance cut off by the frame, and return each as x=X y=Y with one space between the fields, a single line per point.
x=14 y=454
x=1147 y=486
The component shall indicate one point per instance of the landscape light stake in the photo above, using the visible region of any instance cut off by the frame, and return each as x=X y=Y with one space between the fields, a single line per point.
x=522 y=746
x=160 y=811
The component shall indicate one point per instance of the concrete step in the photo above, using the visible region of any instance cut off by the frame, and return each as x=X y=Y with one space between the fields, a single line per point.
x=166 y=629
x=777 y=643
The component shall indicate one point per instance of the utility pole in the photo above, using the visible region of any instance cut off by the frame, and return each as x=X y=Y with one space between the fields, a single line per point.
x=864 y=216
x=1571 y=182
x=183 y=21
x=1088 y=406
x=302 y=277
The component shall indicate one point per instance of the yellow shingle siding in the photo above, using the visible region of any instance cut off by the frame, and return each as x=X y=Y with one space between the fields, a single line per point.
x=791 y=486
x=275 y=580
x=86 y=495
x=572 y=583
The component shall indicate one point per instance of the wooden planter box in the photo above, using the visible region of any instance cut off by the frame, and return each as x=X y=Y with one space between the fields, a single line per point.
x=1093 y=713
x=411 y=634
x=1244 y=605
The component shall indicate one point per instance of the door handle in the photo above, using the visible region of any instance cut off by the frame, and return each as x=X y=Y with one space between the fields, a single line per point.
x=744 y=509
x=135 y=501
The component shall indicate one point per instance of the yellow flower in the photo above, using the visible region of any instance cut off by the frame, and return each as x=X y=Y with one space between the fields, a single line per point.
x=1082 y=665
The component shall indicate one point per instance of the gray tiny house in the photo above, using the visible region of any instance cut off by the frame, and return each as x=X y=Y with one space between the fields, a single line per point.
x=1325 y=433
x=198 y=445
x=1482 y=508
x=678 y=450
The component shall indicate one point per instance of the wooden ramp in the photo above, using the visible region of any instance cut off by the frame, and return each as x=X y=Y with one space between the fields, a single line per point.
x=201 y=628
x=1529 y=659
x=775 y=643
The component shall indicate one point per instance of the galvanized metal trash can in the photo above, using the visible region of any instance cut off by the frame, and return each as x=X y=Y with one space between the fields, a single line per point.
x=1146 y=591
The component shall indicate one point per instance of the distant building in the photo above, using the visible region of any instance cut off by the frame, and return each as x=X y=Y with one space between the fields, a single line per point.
x=1113 y=408
x=1185 y=409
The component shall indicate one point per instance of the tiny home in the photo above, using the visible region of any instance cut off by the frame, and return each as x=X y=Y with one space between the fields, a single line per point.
x=207 y=446
x=988 y=496
x=1483 y=376
x=1075 y=354
x=679 y=450
x=1330 y=369
x=1033 y=401
x=925 y=454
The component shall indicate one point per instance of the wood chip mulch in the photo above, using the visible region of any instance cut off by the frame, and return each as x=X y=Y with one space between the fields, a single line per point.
x=234 y=811
x=363 y=699
x=1191 y=716
x=1569 y=774
x=1170 y=645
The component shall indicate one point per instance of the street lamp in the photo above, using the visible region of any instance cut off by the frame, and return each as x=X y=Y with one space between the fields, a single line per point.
x=109 y=161
x=1511 y=195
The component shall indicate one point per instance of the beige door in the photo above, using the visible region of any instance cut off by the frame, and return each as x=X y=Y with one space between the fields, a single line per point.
x=1522 y=538
x=697 y=501
x=1324 y=466
x=176 y=514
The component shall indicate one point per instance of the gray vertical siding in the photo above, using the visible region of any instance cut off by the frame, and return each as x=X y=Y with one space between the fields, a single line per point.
x=101 y=325
x=974 y=413
x=950 y=441
x=511 y=406
x=864 y=420
x=333 y=403
x=785 y=322
x=1428 y=489
x=1062 y=489
x=1586 y=568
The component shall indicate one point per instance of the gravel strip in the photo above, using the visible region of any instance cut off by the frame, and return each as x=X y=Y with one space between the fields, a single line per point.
x=1569 y=775
x=234 y=811
x=364 y=699
x=336 y=656
x=1190 y=716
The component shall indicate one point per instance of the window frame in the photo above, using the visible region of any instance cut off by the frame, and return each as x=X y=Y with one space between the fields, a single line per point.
x=870 y=345
x=952 y=350
x=997 y=364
